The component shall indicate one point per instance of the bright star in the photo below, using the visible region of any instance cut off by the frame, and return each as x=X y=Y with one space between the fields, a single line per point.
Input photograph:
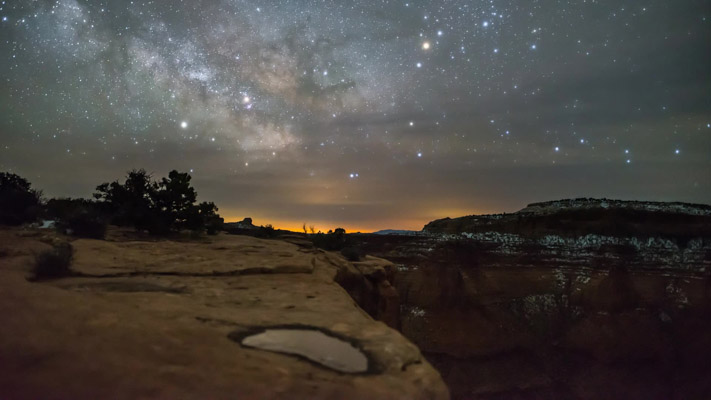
x=184 y=125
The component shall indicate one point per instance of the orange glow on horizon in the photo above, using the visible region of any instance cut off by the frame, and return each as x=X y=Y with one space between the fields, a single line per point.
x=412 y=224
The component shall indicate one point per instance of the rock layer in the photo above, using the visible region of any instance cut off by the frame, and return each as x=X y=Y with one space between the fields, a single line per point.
x=534 y=305
x=151 y=319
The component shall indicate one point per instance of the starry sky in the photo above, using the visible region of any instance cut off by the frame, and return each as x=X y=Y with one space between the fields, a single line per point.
x=361 y=114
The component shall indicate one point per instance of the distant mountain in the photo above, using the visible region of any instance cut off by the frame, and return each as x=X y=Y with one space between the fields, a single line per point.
x=571 y=217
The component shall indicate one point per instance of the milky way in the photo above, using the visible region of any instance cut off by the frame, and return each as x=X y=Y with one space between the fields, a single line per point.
x=365 y=114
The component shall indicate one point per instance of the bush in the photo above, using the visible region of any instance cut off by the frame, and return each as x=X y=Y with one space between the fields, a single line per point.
x=87 y=225
x=266 y=232
x=352 y=253
x=213 y=225
x=53 y=264
x=19 y=203
x=159 y=207
x=332 y=241
x=79 y=217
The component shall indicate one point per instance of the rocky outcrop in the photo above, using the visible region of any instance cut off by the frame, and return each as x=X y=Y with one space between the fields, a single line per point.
x=368 y=282
x=511 y=310
x=158 y=319
x=579 y=217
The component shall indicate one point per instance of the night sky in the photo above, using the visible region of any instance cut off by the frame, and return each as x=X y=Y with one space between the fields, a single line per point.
x=361 y=114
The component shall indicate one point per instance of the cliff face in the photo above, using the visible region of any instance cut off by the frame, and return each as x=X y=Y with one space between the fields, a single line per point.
x=170 y=319
x=546 y=314
x=579 y=217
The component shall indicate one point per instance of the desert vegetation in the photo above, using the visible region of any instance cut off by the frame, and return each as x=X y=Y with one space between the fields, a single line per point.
x=54 y=263
x=158 y=207
x=19 y=203
x=337 y=240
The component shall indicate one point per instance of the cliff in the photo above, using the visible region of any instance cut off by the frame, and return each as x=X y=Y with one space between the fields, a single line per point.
x=580 y=299
x=140 y=318
x=576 y=217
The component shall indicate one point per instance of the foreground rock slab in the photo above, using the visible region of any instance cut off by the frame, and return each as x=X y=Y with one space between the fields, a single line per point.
x=153 y=319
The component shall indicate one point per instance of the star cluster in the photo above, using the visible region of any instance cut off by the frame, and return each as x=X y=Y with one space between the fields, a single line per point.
x=366 y=114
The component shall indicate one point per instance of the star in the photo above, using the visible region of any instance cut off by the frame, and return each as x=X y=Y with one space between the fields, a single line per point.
x=320 y=86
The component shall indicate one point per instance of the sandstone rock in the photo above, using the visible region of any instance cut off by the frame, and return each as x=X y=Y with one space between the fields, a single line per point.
x=152 y=319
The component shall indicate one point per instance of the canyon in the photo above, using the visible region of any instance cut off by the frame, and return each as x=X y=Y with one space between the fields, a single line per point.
x=571 y=299
x=574 y=299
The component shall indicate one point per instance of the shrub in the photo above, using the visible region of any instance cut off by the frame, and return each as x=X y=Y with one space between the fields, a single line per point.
x=332 y=241
x=19 y=203
x=158 y=207
x=87 y=225
x=128 y=203
x=266 y=231
x=213 y=225
x=79 y=217
x=352 y=253
x=53 y=264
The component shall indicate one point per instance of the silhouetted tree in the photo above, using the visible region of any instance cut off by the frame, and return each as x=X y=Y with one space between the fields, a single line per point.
x=19 y=203
x=159 y=207
x=333 y=240
x=174 y=200
x=205 y=215
x=80 y=217
x=130 y=203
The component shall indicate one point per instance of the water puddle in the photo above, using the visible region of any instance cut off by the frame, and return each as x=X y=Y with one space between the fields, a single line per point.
x=314 y=345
